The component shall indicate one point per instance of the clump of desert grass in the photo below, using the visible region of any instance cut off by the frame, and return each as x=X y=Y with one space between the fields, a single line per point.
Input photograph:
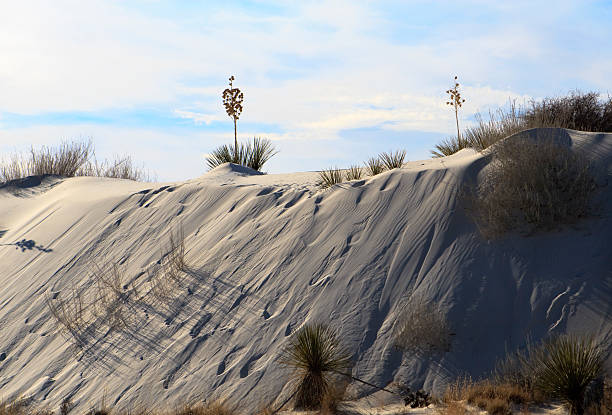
x=374 y=166
x=393 y=160
x=354 y=172
x=329 y=177
x=254 y=154
x=532 y=185
x=576 y=111
x=316 y=357
x=69 y=159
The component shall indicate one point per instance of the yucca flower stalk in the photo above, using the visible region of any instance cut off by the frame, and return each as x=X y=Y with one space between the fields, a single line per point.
x=456 y=102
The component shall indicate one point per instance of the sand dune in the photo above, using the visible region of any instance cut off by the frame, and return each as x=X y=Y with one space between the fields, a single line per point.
x=267 y=253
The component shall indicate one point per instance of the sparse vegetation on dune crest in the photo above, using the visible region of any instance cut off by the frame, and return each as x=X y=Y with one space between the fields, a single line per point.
x=69 y=159
x=576 y=111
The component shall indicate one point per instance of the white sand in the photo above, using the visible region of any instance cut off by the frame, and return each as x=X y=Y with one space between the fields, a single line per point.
x=271 y=252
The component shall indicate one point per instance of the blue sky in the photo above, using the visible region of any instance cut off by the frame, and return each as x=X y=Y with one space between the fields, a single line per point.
x=331 y=82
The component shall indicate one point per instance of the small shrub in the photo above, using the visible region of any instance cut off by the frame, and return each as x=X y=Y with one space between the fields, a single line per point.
x=577 y=111
x=252 y=154
x=374 y=166
x=533 y=186
x=393 y=160
x=315 y=355
x=354 y=173
x=329 y=177
x=422 y=328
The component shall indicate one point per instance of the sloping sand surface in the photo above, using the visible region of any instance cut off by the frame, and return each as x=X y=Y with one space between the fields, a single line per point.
x=267 y=253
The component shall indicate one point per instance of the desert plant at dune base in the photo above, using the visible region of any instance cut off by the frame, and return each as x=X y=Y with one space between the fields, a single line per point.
x=564 y=367
x=315 y=355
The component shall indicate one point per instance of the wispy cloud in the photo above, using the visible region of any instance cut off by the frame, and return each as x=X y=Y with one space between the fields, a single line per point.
x=309 y=70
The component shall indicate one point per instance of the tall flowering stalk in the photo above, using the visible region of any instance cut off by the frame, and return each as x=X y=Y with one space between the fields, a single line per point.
x=454 y=100
x=232 y=101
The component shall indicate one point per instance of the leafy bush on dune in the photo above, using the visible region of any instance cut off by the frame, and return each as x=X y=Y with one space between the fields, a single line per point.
x=252 y=154
x=69 y=159
x=315 y=355
x=576 y=111
x=533 y=185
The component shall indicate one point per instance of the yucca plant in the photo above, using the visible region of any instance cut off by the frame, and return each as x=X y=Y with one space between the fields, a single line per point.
x=329 y=177
x=393 y=160
x=252 y=154
x=564 y=367
x=259 y=152
x=374 y=166
x=354 y=173
x=315 y=355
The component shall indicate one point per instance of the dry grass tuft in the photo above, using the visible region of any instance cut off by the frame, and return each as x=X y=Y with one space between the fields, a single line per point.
x=422 y=328
x=69 y=159
x=531 y=186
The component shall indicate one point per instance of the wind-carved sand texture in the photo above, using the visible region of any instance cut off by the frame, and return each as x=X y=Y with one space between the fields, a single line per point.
x=97 y=302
